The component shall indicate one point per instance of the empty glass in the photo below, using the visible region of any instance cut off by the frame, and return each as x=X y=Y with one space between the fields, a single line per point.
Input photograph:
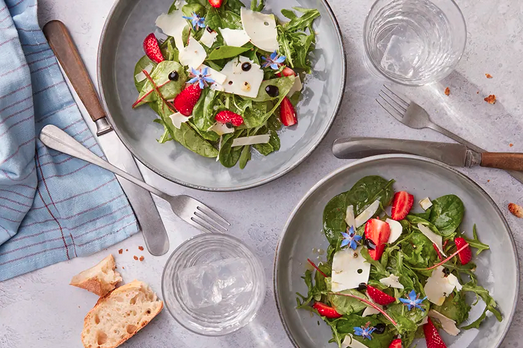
x=213 y=284
x=415 y=42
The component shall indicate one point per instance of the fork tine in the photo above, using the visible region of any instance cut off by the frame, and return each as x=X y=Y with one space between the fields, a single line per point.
x=393 y=112
x=397 y=95
x=391 y=98
x=205 y=226
x=207 y=219
x=197 y=225
x=205 y=209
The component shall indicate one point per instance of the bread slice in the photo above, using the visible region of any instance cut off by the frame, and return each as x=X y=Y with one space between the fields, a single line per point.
x=100 y=279
x=120 y=315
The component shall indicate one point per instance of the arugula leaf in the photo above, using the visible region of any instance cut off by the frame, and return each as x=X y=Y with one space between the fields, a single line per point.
x=378 y=269
x=257 y=5
x=303 y=22
x=447 y=213
x=159 y=74
x=347 y=324
x=475 y=243
x=173 y=7
x=485 y=296
x=476 y=323
x=245 y=156
x=233 y=5
x=419 y=251
x=224 y=52
x=169 y=50
x=455 y=307
x=288 y=14
x=407 y=320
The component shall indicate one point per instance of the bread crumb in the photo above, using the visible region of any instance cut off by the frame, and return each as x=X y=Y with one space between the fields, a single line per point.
x=488 y=180
x=447 y=91
x=516 y=210
x=123 y=267
x=140 y=248
x=126 y=249
x=135 y=257
x=141 y=258
x=120 y=251
x=488 y=76
x=477 y=92
x=510 y=144
x=491 y=99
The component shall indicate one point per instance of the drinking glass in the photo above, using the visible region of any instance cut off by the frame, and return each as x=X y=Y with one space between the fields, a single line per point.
x=414 y=42
x=213 y=284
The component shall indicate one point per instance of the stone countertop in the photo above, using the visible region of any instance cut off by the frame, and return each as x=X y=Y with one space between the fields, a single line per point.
x=40 y=309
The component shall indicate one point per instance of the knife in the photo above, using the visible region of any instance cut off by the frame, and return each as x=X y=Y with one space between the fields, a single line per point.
x=151 y=224
x=456 y=155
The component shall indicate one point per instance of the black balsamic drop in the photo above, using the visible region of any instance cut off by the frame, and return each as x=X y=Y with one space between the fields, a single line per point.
x=362 y=287
x=246 y=66
x=228 y=125
x=446 y=271
x=370 y=244
x=272 y=91
x=174 y=76
x=380 y=328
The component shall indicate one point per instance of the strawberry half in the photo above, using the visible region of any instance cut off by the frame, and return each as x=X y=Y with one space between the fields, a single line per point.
x=401 y=205
x=287 y=113
x=187 y=99
x=229 y=117
x=432 y=336
x=152 y=48
x=286 y=72
x=216 y=3
x=396 y=343
x=378 y=232
x=379 y=296
x=326 y=311
x=464 y=255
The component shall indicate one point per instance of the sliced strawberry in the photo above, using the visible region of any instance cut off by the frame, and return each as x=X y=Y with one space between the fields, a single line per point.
x=287 y=113
x=432 y=336
x=229 y=117
x=465 y=255
x=286 y=72
x=401 y=205
x=379 y=296
x=187 y=99
x=326 y=311
x=152 y=48
x=396 y=343
x=378 y=232
x=216 y=3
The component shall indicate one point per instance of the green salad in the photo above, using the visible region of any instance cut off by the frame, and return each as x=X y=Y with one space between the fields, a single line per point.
x=225 y=78
x=391 y=278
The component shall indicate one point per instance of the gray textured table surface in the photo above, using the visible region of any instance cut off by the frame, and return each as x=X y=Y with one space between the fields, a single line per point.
x=41 y=310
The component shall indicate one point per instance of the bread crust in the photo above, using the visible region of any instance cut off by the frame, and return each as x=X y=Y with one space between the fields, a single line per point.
x=95 y=282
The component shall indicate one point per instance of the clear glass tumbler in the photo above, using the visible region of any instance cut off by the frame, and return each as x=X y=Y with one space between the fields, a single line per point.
x=414 y=42
x=213 y=284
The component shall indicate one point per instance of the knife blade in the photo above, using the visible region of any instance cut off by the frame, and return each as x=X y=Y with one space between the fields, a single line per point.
x=141 y=201
x=453 y=154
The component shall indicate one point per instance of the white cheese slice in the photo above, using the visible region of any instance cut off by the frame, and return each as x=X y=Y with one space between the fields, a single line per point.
x=178 y=119
x=392 y=281
x=217 y=87
x=261 y=28
x=239 y=82
x=220 y=129
x=193 y=55
x=209 y=37
x=349 y=270
x=349 y=217
x=297 y=87
x=438 y=286
x=234 y=37
x=434 y=238
x=453 y=280
x=172 y=24
x=367 y=214
x=424 y=321
x=447 y=324
x=252 y=140
x=425 y=203
x=350 y=342
x=395 y=230
x=217 y=76
x=371 y=310
x=141 y=76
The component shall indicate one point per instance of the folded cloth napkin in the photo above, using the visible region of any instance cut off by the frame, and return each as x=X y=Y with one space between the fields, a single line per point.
x=52 y=207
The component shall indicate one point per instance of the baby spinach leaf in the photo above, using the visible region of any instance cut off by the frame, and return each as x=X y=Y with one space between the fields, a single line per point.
x=194 y=7
x=224 y=52
x=233 y=5
x=222 y=18
x=347 y=326
x=254 y=115
x=447 y=214
x=408 y=320
x=169 y=50
x=419 y=251
x=159 y=74
x=288 y=14
x=347 y=305
x=284 y=85
x=245 y=156
x=229 y=155
x=204 y=112
x=143 y=63
x=455 y=307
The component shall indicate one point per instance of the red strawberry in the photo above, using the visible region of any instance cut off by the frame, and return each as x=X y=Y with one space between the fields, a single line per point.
x=378 y=232
x=229 y=117
x=396 y=343
x=287 y=113
x=152 y=48
x=432 y=336
x=286 y=72
x=187 y=99
x=326 y=311
x=401 y=205
x=465 y=255
x=216 y=3
x=379 y=296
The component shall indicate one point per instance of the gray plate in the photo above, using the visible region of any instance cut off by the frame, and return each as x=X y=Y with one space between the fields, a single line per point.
x=497 y=269
x=131 y=20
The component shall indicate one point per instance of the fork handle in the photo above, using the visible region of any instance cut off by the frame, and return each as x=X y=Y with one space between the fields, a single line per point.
x=502 y=160
x=55 y=138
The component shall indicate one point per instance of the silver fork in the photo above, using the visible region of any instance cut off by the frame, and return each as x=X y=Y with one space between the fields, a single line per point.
x=414 y=116
x=189 y=209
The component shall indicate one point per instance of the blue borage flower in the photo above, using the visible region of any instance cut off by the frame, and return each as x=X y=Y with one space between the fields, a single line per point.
x=274 y=61
x=351 y=239
x=364 y=331
x=413 y=301
x=201 y=77
x=197 y=21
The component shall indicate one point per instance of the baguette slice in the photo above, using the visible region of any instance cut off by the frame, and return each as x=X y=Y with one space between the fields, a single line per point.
x=120 y=315
x=100 y=279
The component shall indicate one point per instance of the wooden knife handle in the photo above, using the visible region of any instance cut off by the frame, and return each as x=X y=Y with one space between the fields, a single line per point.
x=502 y=160
x=65 y=50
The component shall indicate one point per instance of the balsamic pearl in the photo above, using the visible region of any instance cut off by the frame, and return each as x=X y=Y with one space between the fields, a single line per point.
x=246 y=66
x=272 y=91
x=362 y=287
x=228 y=125
x=446 y=271
x=174 y=76
x=380 y=328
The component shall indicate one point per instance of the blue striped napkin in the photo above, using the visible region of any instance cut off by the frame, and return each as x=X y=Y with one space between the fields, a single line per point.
x=52 y=207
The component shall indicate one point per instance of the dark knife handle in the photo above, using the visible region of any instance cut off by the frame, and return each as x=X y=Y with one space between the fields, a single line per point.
x=502 y=160
x=65 y=50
